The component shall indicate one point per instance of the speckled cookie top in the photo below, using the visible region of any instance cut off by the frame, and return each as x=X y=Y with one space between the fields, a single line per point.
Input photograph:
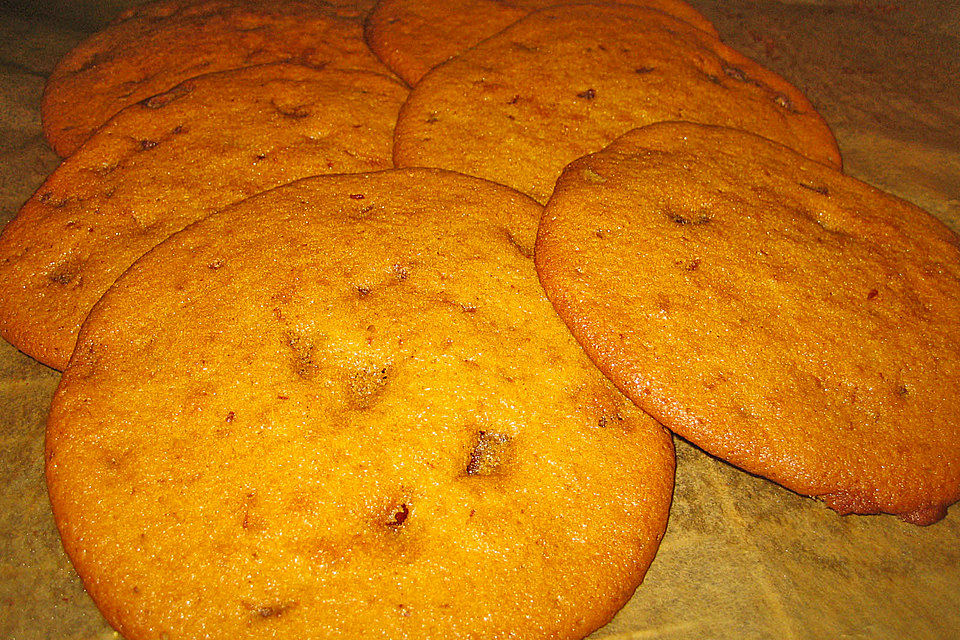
x=149 y=49
x=168 y=161
x=787 y=318
x=566 y=81
x=413 y=36
x=344 y=409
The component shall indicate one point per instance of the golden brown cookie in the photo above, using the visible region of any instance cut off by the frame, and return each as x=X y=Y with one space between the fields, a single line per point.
x=344 y=409
x=784 y=317
x=566 y=81
x=149 y=49
x=413 y=36
x=168 y=161
x=362 y=7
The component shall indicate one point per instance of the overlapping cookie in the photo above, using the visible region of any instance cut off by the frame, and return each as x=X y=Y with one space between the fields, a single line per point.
x=150 y=49
x=413 y=36
x=169 y=161
x=566 y=81
x=784 y=317
x=344 y=409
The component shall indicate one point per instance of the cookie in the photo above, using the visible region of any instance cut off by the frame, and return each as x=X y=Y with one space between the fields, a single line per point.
x=362 y=7
x=344 y=409
x=152 y=48
x=787 y=318
x=566 y=81
x=413 y=36
x=168 y=161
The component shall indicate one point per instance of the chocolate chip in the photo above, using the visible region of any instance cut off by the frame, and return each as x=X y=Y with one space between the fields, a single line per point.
x=362 y=213
x=401 y=515
x=693 y=220
x=489 y=454
x=365 y=386
x=65 y=274
x=302 y=357
x=61 y=278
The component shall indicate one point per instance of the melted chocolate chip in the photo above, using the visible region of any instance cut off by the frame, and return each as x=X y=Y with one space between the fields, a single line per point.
x=694 y=220
x=401 y=515
x=488 y=454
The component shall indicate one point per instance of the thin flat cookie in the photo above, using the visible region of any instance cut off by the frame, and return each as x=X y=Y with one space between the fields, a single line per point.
x=413 y=36
x=566 y=81
x=150 y=49
x=344 y=409
x=781 y=315
x=169 y=161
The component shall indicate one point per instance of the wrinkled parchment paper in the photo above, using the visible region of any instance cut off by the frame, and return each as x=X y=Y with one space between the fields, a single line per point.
x=742 y=558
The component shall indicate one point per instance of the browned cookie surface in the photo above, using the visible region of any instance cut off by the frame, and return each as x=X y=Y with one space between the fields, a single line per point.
x=566 y=81
x=173 y=159
x=344 y=409
x=789 y=319
x=413 y=36
x=149 y=49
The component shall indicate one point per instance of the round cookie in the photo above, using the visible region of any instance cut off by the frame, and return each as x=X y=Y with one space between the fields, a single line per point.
x=791 y=320
x=362 y=7
x=150 y=49
x=413 y=36
x=344 y=409
x=566 y=81
x=168 y=161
